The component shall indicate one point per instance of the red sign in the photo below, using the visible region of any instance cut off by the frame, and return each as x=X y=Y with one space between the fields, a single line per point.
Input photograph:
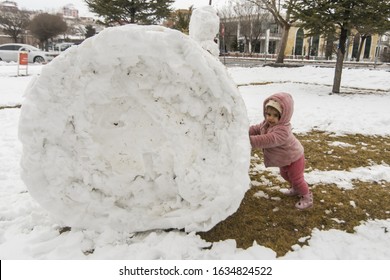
x=23 y=58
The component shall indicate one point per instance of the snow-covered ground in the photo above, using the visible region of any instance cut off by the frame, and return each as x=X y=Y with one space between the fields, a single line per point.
x=27 y=231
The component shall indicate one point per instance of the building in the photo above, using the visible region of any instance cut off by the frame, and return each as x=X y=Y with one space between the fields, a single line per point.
x=76 y=25
x=8 y=6
x=384 y=47
x=301 y=46
x=69 y=11
x=261 y=37
x=250 y=34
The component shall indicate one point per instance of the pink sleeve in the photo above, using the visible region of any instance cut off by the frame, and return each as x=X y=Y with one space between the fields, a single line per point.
x=255 y=129
x=269 y=140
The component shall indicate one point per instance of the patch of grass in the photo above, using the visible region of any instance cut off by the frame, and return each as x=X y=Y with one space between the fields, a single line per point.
x=327 y=151
x=270 y=218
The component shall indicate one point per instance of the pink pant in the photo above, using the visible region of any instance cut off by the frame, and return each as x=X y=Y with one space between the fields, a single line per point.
x=293 y=174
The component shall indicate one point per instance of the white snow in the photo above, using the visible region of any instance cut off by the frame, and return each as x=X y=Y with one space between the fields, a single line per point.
x=341 y=144
x=28 y=231
x=136 y=136
x=204 y=26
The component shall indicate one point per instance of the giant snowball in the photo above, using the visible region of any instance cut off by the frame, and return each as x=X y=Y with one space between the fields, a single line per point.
x=137 y=128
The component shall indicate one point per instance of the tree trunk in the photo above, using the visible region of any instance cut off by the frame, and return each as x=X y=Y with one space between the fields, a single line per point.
x=339 y=61
x=363 y=39
x=283 y=43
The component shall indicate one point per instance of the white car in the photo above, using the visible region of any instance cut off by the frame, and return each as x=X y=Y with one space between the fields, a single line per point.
x=62 y=46
x=9 y=52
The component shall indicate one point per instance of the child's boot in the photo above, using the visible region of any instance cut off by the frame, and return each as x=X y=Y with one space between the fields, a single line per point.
x=305 y=202
x=290 y=192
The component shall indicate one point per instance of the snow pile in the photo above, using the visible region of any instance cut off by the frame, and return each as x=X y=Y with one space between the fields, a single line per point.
x=125 y=133
x=369 y=242
x=204 y=26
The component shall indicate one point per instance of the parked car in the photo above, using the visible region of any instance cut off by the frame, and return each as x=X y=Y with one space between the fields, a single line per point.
x=9 y=52
x=62 y=46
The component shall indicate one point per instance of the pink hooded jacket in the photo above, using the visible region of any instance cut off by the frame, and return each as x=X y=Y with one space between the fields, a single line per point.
x=279 y=145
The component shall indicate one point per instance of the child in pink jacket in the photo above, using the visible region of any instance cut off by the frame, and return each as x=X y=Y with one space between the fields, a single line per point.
x=280 y=147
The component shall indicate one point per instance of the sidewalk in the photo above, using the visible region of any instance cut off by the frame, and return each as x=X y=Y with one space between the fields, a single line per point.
x=245 y=61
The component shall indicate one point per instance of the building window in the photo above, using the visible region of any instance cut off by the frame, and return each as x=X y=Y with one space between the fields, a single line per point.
x=315 y=44
x=299 y=42
x=367 y=47
x=355 y=46
x=272 y=47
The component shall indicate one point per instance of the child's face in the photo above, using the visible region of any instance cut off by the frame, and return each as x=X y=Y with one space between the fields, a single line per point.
x=272 y=115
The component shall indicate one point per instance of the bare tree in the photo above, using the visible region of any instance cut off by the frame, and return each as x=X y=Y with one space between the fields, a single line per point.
x=247 y=20
x=281 y=11
x=45 y=26
x=250 y=17
x=14 y=23
x=229 y=21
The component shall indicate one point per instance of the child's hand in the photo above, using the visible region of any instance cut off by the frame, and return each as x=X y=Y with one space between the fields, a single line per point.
x=254 y=130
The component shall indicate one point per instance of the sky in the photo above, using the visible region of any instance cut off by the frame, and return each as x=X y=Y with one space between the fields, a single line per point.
x=69 y=137
x=47 y=5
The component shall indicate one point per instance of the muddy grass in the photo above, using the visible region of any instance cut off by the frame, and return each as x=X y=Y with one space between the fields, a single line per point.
x=270 y=219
